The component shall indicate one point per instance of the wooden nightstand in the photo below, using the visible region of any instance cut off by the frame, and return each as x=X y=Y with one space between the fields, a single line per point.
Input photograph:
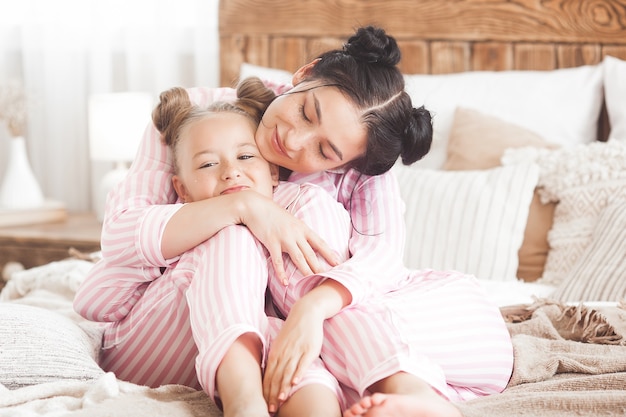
x=39 y=244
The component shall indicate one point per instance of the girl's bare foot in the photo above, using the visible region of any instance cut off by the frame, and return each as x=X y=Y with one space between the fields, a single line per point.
x=405 y=405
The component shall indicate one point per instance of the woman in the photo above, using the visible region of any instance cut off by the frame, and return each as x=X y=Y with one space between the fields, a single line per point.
x=342 y=126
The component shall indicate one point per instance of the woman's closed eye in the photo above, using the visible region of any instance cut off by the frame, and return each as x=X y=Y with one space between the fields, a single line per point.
x=303 y=114
x=321 y=152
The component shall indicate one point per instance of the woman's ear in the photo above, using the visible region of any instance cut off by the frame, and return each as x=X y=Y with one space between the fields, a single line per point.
x=180 y=188
x=303 y=72
x=275 y=171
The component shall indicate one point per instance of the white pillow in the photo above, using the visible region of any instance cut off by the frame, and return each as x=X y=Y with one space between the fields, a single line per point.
x=469 y=221
x=615 y=95
x=562 y=106
x=38 y=345
x=274 y=75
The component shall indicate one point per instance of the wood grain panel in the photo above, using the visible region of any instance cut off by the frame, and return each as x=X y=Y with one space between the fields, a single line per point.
x=576 y=55
x=435 y=36
x=287 y=53
x=492 y=56
x=237 y=49
x=316 y=46
x=521 y=20
x=616 y=51
x=415 y=57
x=448 y=57
x=528 y=56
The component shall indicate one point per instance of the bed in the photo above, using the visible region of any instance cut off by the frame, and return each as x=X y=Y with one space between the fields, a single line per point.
x=529 y=112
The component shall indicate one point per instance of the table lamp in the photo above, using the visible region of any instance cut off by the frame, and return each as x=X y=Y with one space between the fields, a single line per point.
x=116 y=125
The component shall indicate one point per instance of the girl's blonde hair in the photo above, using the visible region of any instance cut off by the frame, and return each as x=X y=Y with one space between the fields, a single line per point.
x=175 y=112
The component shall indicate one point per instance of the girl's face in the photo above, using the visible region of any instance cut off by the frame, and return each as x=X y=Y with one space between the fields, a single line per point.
x=311 y=128
x=218 y=155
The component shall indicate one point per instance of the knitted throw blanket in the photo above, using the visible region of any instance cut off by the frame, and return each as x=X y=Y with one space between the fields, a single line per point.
x=569 y=361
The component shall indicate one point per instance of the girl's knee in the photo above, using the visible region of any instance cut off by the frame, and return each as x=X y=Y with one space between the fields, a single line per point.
x=229 y=243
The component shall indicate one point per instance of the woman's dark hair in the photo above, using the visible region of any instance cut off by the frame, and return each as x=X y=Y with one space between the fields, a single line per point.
x=175 y=111
x=366 y=70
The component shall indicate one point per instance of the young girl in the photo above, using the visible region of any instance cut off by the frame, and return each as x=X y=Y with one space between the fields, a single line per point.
x=431 y=337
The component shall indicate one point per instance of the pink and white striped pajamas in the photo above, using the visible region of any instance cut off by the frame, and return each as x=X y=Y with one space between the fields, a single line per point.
x=436 y=325
x=177 y=328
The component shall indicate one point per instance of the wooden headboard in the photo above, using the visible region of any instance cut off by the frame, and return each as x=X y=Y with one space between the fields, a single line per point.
x=435 y=36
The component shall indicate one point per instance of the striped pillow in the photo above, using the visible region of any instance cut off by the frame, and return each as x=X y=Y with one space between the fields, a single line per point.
x=469 y=221
x=600 y=273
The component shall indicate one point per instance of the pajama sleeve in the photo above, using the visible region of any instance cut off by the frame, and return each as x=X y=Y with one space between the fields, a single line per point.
x=136 y=213
x=138 y=209
x=378 y=231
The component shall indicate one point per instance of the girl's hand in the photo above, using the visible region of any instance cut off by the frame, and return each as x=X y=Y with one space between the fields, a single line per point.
x=279 y=231
x=295 y=348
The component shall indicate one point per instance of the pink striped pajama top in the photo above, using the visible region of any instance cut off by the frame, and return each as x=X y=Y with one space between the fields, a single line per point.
x=436 y=325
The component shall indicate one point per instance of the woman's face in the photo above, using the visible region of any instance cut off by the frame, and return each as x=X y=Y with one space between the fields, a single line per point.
x=311 y=128
x=218 y=155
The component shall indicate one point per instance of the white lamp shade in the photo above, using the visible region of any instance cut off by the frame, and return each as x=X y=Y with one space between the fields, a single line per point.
x=116 y=124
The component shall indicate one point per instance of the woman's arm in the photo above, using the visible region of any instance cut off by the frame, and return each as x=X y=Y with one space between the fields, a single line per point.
x=378 y=231
x=375 y=265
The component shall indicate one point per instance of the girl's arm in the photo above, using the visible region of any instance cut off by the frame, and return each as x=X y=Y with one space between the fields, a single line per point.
x=137 y=217
x=139 y=209
x=300 y=339
x=271 y=224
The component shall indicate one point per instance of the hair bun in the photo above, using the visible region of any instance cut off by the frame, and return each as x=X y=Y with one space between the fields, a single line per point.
x=418 y=135
x=371 y=44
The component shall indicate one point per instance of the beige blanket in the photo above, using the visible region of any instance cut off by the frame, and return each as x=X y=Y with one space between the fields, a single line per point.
x=569 y=361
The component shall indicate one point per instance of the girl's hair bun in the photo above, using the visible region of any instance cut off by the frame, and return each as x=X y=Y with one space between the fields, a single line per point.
x=372 y=44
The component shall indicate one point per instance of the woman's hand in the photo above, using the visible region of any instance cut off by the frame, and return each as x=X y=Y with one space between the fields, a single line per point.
x=279 y=231
x=295 y=348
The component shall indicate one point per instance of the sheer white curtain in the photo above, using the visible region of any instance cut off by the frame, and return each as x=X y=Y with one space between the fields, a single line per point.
x=63 y=51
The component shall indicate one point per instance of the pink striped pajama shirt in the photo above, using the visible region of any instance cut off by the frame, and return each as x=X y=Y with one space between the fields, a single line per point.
x=197 y=308
x=436 y=325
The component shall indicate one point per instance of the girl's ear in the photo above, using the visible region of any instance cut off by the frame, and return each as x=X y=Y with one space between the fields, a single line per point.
x=275 y=171
x=303 y=72
x=180 y=188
